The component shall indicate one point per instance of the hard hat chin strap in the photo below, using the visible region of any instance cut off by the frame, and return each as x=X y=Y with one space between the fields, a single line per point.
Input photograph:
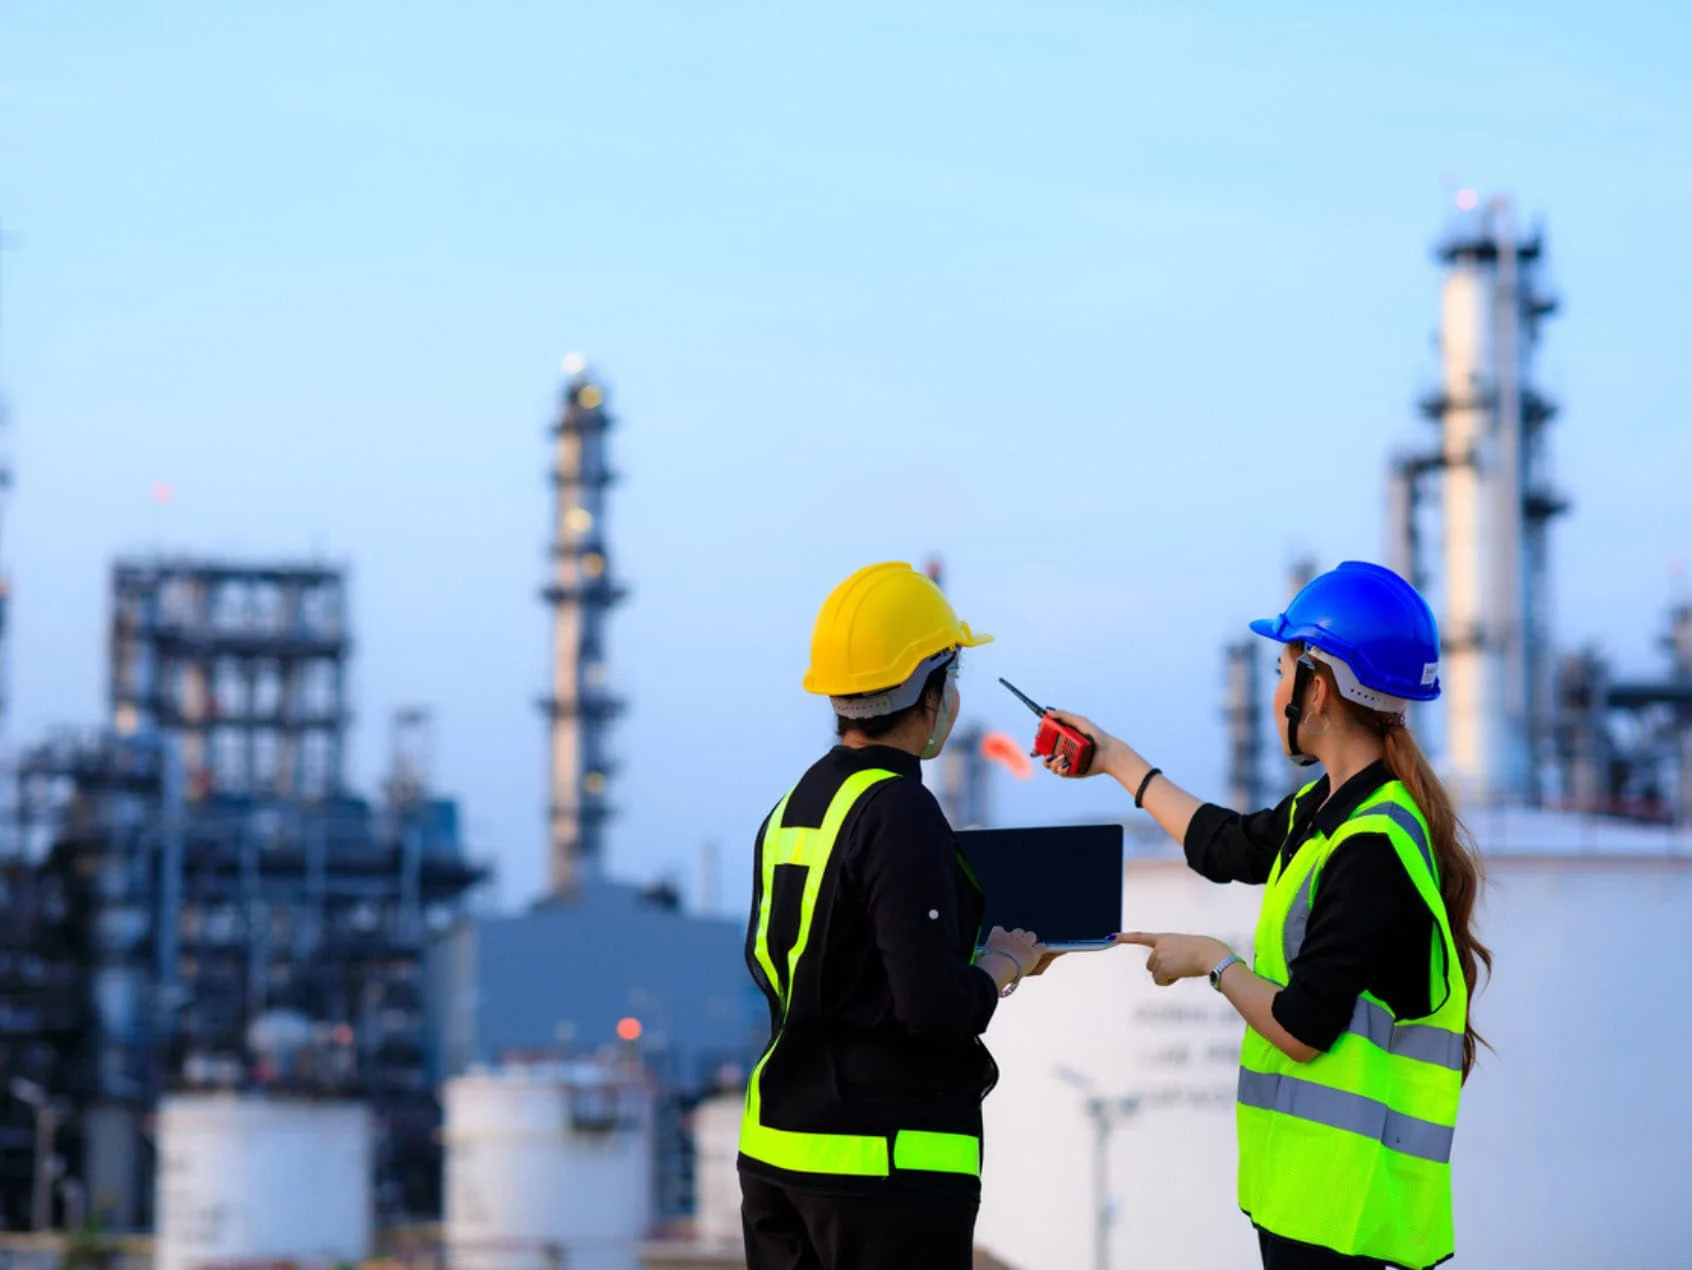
x=1302 y=675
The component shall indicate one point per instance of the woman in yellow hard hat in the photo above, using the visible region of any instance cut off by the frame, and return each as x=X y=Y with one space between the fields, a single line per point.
x=861 y=1142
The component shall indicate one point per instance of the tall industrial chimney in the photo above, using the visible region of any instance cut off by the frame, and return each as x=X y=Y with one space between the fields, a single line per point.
x=1244 y=712
x=1300 y=574
x=1497 y=505
x=964 y=786
x=581 y=594
x=962 y=766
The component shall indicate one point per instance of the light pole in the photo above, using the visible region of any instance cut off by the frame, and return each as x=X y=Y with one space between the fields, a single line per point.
x=46 y=1130
x=1106 y=1114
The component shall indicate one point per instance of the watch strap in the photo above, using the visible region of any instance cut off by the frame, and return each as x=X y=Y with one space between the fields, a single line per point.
x=1216 y=974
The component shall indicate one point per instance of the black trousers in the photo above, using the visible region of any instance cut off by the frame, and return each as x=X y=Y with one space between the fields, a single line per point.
x=1285 y=1254
x=897 y=1230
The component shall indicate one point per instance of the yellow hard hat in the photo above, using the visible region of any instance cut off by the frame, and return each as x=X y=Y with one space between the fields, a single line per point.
x=877 y=627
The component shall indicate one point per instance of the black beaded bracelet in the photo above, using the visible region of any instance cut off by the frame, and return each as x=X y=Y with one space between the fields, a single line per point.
x=1140 y=793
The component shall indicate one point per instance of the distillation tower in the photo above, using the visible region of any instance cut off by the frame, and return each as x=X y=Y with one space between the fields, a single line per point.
x=1243 y=712
x=1497 y=505
x=581 y=594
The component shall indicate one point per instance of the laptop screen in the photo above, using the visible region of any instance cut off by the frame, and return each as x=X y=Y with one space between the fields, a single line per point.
x=1064 y=882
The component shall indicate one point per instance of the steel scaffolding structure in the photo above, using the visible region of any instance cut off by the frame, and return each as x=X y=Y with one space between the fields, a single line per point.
x=200 y=869
x=246 y=665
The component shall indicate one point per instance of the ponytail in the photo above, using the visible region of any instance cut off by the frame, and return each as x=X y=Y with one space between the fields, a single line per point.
x=1461 y=874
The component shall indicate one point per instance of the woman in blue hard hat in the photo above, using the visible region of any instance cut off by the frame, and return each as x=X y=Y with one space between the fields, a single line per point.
x=860 y=1145
x=1356 y=997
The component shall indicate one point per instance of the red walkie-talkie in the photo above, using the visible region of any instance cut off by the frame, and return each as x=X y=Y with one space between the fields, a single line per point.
x=1056 y=739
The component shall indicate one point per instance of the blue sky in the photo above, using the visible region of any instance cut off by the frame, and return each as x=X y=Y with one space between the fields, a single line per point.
x=1117 y=307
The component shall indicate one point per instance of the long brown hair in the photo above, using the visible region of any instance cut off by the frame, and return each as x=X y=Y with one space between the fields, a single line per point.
x=1462 y=876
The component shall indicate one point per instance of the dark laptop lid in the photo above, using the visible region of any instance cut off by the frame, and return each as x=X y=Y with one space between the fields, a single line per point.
x=1062 y=882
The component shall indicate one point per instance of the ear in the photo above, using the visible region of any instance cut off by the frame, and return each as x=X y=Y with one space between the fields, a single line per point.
x=1319 y=697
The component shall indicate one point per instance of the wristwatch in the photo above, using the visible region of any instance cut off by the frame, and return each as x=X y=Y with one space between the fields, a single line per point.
x=1216 y=974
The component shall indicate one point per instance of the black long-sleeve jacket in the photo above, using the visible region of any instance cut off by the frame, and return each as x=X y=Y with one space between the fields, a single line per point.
x=890 y=1038
x=1369 y=928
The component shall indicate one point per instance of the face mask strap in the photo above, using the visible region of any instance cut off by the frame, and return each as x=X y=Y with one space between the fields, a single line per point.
x=942 y=718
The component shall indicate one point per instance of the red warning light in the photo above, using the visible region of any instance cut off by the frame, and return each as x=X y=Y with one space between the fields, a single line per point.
x=628 y=1029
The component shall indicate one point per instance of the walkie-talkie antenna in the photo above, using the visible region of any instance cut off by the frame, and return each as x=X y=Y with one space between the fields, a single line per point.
x=1023 y=697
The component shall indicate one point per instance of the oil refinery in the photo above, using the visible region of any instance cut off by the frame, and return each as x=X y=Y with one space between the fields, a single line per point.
x=247 y=1007
x=249 y=1017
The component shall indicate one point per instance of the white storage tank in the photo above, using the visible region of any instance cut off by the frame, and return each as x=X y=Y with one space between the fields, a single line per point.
x=245 y=1178
x=716 y=1178
x=1570 y=1152
x=549 y=1161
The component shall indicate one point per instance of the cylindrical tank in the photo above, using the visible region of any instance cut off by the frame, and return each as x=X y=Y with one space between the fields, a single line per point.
x=246 y=1178
x=716 y=1179
x=1568 y=1151
x=546 y=1162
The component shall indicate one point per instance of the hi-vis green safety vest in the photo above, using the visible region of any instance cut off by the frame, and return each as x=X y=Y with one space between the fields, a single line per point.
x=1351 y=1151
x=790 y=971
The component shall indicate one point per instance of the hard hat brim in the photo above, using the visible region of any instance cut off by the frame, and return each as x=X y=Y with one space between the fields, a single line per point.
x=821 y=686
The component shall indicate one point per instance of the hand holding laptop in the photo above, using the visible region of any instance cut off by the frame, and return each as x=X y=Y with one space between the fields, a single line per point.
x=1064 y=881
x=1017 y=953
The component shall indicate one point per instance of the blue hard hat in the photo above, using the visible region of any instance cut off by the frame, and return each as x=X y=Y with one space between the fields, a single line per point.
x=1372 y=622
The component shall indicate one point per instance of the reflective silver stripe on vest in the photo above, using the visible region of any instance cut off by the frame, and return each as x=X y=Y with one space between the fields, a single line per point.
x=1401 y=817
x=1426 y=1044
x=1298 y=917
x=1292 y=934
x=1407 y=1040
x=1353 y=1113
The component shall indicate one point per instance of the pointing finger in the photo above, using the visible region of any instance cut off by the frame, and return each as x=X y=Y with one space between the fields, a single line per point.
x=1138 y=937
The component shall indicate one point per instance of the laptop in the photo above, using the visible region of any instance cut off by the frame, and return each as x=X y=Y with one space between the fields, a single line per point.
x=1063 y=882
